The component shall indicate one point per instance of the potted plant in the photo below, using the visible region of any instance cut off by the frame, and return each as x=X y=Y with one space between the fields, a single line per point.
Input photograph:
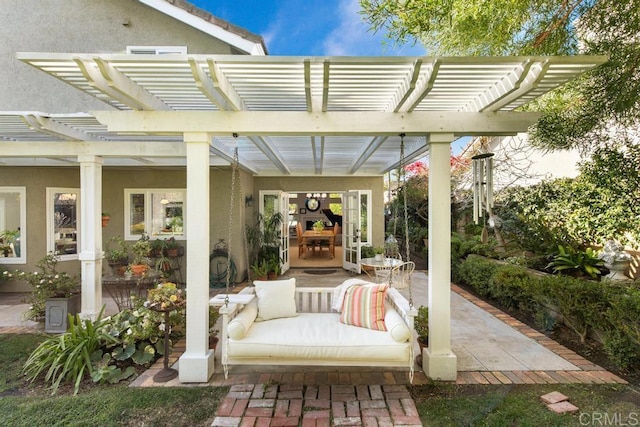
x=117 y=254
x=318 y=226
x=141 y=250
x=9 y=238
x=378 y=252
x=172 y=247
x=421 y=326
x=265 y=237
x=366 y=252
x=259 y=270
x=55 y=294
x=106 y=217
x=176 y=224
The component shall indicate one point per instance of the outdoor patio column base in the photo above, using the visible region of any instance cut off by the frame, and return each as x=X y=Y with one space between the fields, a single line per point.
x=442 y=367
x=196 y=368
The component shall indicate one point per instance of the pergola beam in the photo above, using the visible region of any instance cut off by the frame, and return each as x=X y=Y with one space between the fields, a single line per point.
x=53 y=149
x=53 y=128
x=269 y=150
x=344 y=123
x=104 y=77
x=366 y=151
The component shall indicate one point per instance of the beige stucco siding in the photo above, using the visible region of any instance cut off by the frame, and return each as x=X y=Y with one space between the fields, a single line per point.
x=79 y=26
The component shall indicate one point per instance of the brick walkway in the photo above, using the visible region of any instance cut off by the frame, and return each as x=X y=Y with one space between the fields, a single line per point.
x=324 y=405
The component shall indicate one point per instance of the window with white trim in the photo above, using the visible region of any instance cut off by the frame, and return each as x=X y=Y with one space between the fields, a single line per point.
x=156 y=50
x=63 y=222
x=156 y=212
x=13 y=225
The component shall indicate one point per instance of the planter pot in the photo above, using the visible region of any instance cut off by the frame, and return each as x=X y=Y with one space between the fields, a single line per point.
x=422 y=345
x=139 y=269
x=617 y=270
x=56 y=312
x=378 y=257
x=105 y=221
x=173 y=252
x=213 y=342
x=119 y=266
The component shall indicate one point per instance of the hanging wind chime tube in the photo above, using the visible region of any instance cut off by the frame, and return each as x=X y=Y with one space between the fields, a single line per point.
x=482 y=169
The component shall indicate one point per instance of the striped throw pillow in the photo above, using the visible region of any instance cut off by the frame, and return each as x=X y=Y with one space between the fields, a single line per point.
x=363 y=306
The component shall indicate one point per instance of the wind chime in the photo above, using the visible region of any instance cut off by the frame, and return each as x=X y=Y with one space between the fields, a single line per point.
x=482 y=165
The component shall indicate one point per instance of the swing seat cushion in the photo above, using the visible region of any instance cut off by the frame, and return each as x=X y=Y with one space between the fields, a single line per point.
x=321 y=336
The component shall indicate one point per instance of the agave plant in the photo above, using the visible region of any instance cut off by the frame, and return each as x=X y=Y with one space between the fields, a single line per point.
x=577 y=262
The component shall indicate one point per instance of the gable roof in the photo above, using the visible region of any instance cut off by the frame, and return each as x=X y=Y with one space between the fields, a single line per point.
x=200 y=19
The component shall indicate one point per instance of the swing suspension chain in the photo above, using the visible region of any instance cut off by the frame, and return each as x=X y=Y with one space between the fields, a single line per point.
x=234 y=170
x=406 y=215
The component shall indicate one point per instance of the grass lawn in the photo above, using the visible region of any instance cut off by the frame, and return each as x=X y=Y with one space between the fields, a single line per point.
x=24 y=404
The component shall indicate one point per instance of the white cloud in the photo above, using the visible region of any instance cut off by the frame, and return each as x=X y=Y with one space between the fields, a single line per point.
x=353 y=37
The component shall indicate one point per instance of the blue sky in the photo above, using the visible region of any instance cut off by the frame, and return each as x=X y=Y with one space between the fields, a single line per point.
x=311 y=28
x=307 y=27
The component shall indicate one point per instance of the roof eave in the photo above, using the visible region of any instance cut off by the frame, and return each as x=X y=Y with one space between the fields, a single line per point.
x=204 y=21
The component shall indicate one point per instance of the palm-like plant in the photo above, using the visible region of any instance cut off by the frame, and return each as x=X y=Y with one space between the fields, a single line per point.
x=577 y=262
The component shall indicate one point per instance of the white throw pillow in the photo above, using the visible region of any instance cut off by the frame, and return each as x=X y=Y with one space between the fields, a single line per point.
x=276 y=299
x=399 y=330
x=240 y=324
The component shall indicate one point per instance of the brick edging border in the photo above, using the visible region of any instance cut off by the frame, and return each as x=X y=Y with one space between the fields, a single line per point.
x=589 y=372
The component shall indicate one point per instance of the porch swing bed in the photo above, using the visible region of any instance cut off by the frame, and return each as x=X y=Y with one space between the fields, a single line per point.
x=357 y=323
x=313 y=331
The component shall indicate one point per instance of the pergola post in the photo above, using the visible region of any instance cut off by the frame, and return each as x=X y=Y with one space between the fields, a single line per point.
x=90 y=254
x=197 y=362
x=439 y=362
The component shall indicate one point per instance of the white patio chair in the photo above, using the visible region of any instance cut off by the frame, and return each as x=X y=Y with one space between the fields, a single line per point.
x=401 y=275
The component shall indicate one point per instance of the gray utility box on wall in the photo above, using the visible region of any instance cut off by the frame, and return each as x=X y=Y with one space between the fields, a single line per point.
x=56 y=312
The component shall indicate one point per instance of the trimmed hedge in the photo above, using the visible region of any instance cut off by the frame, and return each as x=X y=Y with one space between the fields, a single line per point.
x=606 y=310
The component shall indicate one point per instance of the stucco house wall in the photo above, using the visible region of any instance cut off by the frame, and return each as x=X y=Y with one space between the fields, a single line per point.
x=81 y=26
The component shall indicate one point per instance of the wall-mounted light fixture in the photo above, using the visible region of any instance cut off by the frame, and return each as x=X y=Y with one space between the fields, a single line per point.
x=248 y=201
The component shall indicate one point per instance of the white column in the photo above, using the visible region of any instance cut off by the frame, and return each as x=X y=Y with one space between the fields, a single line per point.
x=90 y=255
x=439 y=362
x=197 y=362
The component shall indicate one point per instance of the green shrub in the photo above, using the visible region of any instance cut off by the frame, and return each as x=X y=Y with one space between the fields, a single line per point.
x=510 y=286
x=476 y=272
x=621 y=349
x=581 y=302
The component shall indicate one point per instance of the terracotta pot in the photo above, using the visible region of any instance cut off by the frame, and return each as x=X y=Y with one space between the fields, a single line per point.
x=105 y=221
x=139 y=269
x=173 y=252
x=213 y=342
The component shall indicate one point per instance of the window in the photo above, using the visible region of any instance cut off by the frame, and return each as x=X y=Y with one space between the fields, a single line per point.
x=156 y=50
x=63 y=222
x=13 y=223
x=155 y=212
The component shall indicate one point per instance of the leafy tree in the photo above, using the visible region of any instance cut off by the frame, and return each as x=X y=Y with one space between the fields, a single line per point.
x=478 y=27
x=594 y=111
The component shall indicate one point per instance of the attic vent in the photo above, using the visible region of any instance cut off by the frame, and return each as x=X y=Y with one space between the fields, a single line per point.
x=156 y=50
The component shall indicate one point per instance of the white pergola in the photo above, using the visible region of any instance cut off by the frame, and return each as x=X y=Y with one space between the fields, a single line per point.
x=295 y=116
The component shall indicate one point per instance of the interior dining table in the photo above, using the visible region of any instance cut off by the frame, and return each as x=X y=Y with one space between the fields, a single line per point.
x=311 y=236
